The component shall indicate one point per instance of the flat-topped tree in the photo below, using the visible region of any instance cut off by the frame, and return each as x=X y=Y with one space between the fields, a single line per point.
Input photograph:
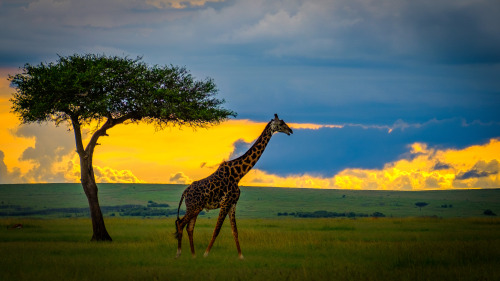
x=96 y=89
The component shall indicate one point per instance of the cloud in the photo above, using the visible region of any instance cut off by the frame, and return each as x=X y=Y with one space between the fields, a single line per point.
x=240 y=147
x=328 y=150
x=421 y=170
x=353 y=132
x=480 y=170
x=397 y=125
x=339 y=31
x=4 y=176
x=357 y=156
x=180 y=178
x=37 y=30
x=351 y=30
x=425 y=170
x=441 y=166
x=7 y=176
x=104 y=13
x=258 y=177
x=101 y=174
x=311 y=126
x=179 y=4
x=52 y=145
x=436 y=154
x=319 y=61
x=110 y=175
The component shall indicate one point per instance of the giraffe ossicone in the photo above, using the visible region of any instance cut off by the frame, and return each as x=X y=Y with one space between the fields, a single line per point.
x=220 y=190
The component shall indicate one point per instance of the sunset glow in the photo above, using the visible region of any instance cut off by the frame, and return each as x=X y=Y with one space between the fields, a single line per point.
x=136 y=153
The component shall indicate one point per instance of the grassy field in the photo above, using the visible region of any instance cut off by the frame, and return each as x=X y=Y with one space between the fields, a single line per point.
x=274 y=249
x=259 y=202
x=449 y=239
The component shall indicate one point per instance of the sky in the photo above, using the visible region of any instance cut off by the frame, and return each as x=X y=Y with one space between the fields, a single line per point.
x=388 y=94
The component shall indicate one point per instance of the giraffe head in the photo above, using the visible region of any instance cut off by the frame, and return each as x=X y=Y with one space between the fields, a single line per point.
x=278 y=125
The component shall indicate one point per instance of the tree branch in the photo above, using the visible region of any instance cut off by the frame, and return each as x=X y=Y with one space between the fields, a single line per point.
x=110 y=123
x=78 y=135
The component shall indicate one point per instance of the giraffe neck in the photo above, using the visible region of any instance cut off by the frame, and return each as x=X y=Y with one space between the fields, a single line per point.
x=240 y=166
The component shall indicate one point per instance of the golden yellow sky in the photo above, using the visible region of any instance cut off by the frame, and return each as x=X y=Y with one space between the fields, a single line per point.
x=138 y=153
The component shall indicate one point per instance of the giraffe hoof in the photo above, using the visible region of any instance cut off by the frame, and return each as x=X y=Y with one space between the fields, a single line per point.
x=241 y=257
x=205 y=254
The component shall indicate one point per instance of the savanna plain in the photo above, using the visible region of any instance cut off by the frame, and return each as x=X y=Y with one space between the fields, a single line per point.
x=450 y=238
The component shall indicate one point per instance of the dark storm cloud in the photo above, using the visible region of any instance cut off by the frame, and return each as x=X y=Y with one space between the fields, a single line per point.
x=322 y=61
x=481 y=169
x=453 y=32
x=333 y=95
x=337 y=33
x=472 y=174
x=327 y=151
x=239 y=148
x=441 y=166
x=180 y=178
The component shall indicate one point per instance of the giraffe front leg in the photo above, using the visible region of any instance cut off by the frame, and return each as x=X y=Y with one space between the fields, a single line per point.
x=222 y=216
x=234 y=229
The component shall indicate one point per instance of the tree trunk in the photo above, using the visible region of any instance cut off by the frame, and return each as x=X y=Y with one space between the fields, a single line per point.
x=87 y=172
x=90 y=187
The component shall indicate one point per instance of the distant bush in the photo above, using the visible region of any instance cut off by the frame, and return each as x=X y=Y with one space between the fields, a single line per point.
x=153 y=204
x=153 y=209
x=327 y=214
x=148 y=212
x=378 y=215
x=489 y=212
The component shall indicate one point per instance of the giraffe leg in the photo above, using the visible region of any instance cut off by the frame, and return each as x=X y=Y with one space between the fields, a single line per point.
x=222 y=216
x=190 y=230
x=234 y=229
x=180 y=224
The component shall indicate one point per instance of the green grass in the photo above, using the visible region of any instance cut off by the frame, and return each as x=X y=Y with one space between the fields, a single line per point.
x=274 y=249
x=264 y=202
x=435 y=243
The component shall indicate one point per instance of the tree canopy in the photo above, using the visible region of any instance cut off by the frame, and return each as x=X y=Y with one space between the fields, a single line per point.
x=88 y=88
x=421 y=204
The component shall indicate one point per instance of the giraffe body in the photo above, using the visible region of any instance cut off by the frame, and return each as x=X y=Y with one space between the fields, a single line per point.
x=220 y=190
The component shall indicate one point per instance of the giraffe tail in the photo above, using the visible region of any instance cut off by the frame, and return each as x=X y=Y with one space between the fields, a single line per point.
x=179 y=208
x=178 y=234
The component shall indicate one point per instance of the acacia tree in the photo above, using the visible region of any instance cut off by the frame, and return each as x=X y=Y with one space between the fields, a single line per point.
x=421 y=204
x=81 y=90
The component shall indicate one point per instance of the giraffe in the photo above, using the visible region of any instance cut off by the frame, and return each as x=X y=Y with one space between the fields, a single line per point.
x=220 y=190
